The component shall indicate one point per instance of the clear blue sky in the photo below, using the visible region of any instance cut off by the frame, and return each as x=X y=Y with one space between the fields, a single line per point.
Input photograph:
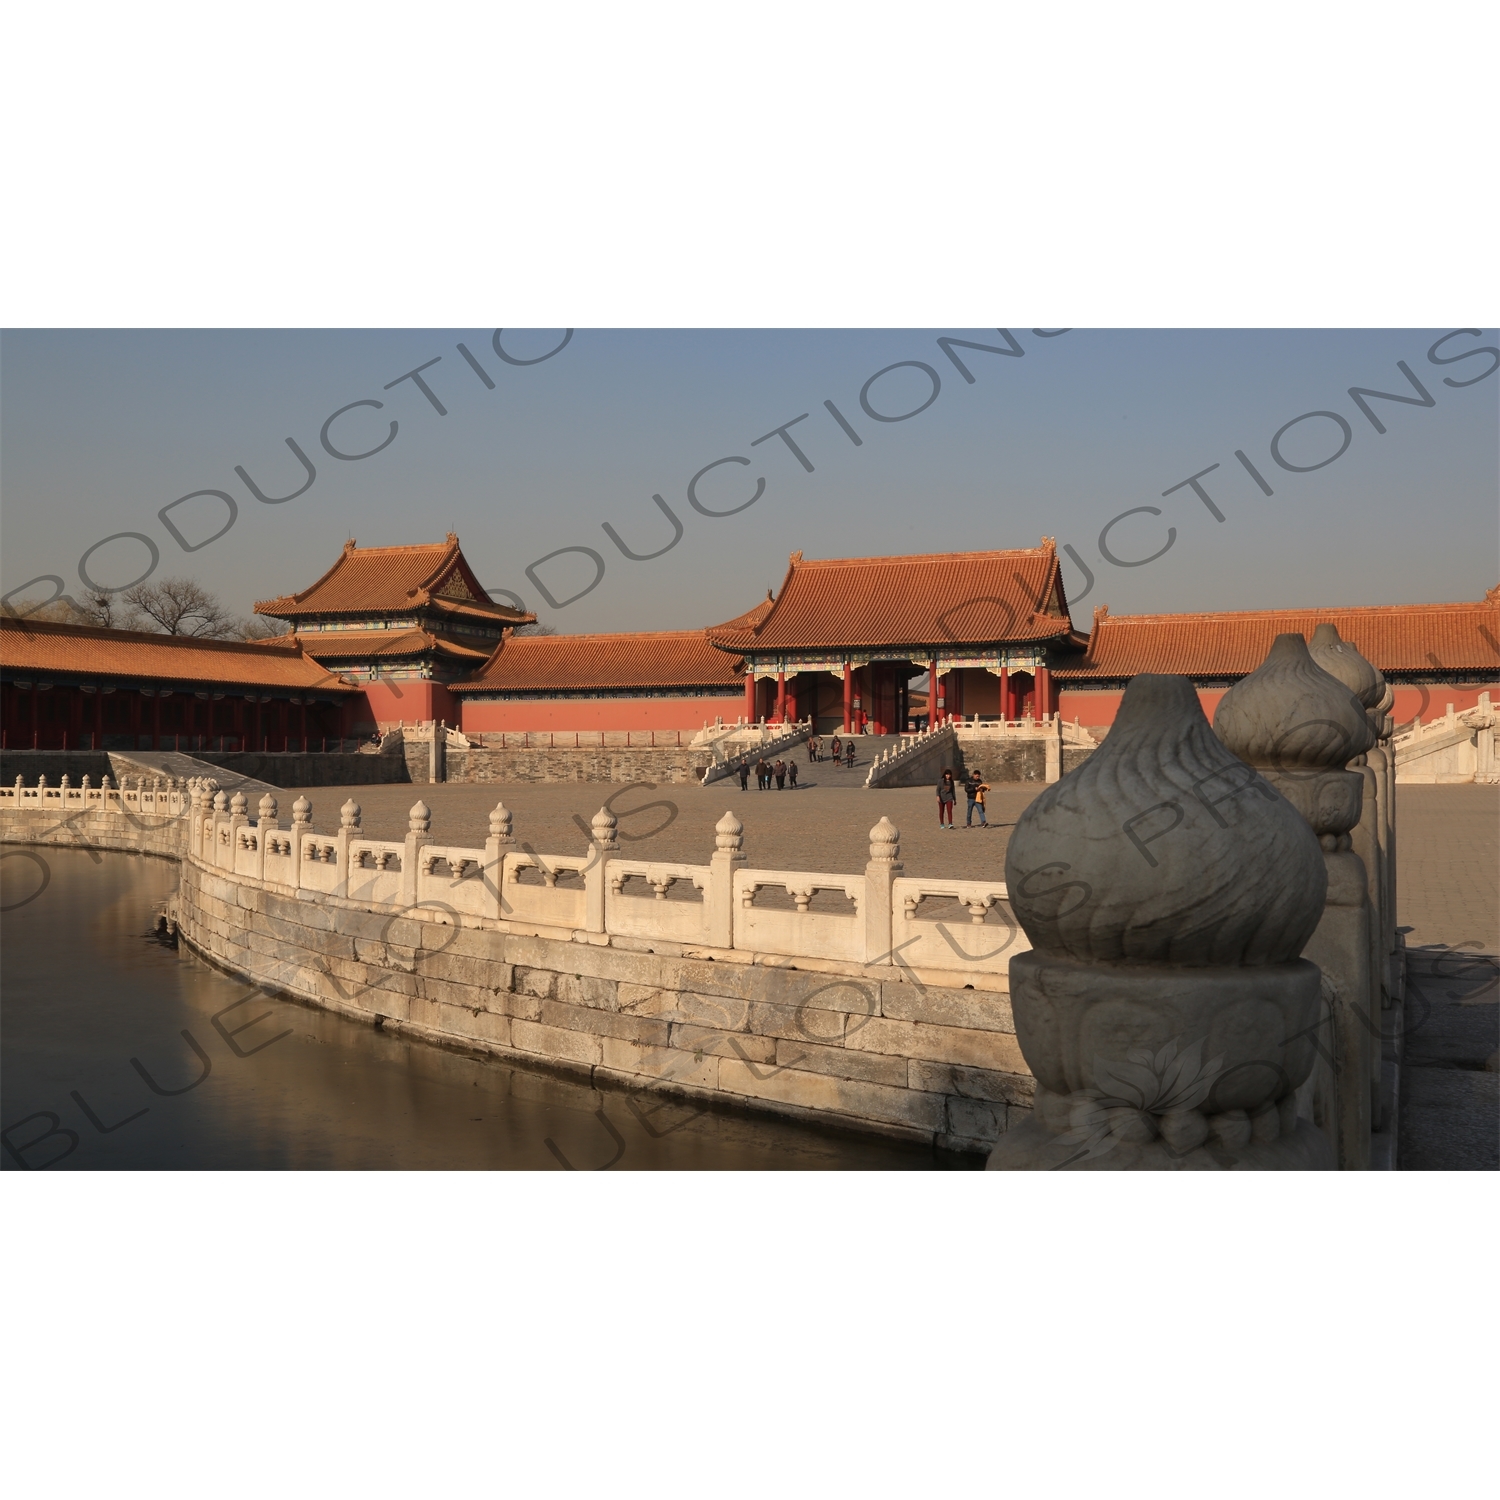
x=100 y=430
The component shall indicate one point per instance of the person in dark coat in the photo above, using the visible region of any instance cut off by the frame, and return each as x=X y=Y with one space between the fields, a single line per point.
x=947 y=792
x=780 y=769
x=791 y=774
x=975 y=786
x=849 y=753
x=837 y=748
x=744 y=775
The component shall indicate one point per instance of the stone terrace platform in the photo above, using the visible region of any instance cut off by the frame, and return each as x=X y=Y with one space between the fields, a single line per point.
x=824 y=825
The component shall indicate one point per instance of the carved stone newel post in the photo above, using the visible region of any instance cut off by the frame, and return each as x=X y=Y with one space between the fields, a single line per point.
x=418 y=834
x=1301 y=727
x=500 y=843
x=881 y=874
x=1163 y=1008
x=606 y=841
x=728 y=857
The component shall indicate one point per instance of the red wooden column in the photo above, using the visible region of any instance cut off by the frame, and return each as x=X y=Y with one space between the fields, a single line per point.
x=750 y=695
x=156 y=721
x=932 y=694
x=1043 y=692
x=848 y=697
x=1005 y=712
x=791 y=700
x=781 y=696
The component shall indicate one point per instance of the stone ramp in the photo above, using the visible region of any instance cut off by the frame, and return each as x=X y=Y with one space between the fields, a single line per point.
x=175 y=763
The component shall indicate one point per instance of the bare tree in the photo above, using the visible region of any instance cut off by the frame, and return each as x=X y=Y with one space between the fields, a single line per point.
x=62 y=611
x=101 y=607
x=180 y=606
x=261 y=628
x=534 y=629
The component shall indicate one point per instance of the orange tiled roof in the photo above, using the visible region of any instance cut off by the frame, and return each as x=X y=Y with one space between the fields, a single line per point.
x=1395 y=637
x=373 y=580
x=39 y=646
x=343 y=645
x=869 y=602
x=562 y=663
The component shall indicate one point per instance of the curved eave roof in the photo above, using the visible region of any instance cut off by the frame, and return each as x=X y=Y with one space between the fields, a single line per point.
x=376 y=580
x=948 y=599
x=36 y=647
x=583 y=663
x=1396 y=638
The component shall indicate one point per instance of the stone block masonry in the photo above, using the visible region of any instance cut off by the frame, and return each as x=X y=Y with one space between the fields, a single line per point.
x=662 y=766
x=858 y=1021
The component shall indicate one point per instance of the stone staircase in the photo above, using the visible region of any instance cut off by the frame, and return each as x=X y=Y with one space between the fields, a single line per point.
x=174 y=763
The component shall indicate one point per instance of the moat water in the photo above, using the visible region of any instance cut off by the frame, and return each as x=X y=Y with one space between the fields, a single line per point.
x=119 y=1052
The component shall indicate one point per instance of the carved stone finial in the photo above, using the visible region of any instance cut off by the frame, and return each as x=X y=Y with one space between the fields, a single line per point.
x=500 y=824
x=1300 y=726
x=41 y=781
x=1339 y=659
x=302 y=811
x=349 y=814
x=221 y=802
x=268 y=808
x=66 y=783
x=239 y=805
x=885 y=840
x=86 y=783
x=1167 y=892
x=728 y=833
x=605 y=823
x=105 y=782
x=419 y=819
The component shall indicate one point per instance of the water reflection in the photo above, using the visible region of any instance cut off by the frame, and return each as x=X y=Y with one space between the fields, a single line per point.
x=117 y=1052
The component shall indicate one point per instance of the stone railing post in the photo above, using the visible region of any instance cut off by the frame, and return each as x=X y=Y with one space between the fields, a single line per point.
x=1300 y=727
x=195 y=817
x=418 y=833
x=1163 y=1009
x=1053 y=748
x=595 y=877
x=218 y=820
x=349 y=830
x=301 y=827
x=265 y=823
x=880 y=873
x=239 y=818
x=727 y=858
x=1342 y=660
x=500 y=843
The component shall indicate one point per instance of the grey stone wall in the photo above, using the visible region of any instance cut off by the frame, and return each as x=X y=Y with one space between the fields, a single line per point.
x=296 y=769
x=90 y=828
x=54 y=765
x=871 y=1050
x=661 y=767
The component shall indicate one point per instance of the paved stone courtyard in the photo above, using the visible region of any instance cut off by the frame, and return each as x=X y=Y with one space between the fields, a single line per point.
x=823 y=825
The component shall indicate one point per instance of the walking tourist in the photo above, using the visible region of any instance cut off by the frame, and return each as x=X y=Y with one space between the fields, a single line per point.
x=946 y=794
x=975 y=787
x=744 y=775
x=780 y=769
x=849 y=753
x=812 y=749
x=837 y=748
x=791 y=774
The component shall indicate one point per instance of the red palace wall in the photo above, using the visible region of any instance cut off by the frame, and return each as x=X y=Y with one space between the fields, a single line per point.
x=413 y=702
x=1096 y=708
x=520 y=714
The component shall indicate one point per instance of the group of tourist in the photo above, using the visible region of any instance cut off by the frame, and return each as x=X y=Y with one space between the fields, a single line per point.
x=783 y=773
x=974 y=788
x=837 y=750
